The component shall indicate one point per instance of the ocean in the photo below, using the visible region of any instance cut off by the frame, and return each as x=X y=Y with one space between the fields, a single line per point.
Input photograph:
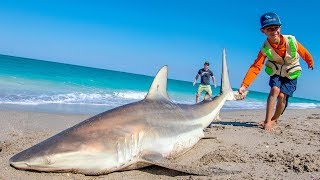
x=43 y=86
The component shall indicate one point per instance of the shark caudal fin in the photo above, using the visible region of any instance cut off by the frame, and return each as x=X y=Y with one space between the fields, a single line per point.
x=158 y=88
x=225 y=81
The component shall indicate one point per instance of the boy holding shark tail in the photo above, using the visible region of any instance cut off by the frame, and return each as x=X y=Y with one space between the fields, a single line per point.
x=283 y=53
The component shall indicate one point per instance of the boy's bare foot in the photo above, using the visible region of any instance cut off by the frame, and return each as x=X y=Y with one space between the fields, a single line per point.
x=262 y=123
x=268 y=126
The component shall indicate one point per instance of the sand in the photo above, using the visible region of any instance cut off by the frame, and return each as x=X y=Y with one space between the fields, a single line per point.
x=235 y=144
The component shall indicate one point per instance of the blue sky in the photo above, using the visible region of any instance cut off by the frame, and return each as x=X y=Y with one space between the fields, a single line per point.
x=142 y=36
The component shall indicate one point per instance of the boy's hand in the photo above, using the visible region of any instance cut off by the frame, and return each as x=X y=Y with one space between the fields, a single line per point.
x=241 y=94
x=242 y=89
x=310 y=67
x=238 y=96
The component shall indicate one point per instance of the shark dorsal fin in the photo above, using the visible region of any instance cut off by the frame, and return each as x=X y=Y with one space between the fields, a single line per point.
x=158 y=88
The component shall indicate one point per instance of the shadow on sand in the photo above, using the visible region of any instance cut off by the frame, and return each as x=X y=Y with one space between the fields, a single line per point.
x=242 y=124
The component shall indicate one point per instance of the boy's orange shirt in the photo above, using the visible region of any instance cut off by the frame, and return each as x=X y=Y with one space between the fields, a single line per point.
x=256 y=67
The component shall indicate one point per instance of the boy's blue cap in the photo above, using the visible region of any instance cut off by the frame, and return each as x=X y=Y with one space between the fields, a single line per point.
x=269 y=19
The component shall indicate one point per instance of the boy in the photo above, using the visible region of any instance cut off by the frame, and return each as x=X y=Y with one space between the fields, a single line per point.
x=283 y=52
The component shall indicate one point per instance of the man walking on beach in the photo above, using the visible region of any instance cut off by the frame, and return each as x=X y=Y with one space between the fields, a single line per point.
x=283 y=53
x=205 y=74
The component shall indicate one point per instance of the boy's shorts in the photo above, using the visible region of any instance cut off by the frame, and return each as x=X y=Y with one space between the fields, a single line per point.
x=287 y=86
x=206 y=88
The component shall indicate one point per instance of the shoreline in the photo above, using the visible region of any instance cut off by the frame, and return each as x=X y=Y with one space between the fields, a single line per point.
x=83 y=109
x=291 y=151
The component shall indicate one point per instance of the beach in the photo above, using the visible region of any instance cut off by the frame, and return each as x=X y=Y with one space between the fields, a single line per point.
x=235 y=144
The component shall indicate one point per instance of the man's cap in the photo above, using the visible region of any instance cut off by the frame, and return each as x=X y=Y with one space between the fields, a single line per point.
x=207 y=62
x=269 y=19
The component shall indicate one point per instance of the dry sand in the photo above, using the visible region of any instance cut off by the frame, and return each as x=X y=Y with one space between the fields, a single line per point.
x=291 y=151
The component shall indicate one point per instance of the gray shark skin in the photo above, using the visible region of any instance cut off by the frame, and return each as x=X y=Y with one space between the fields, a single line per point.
x=143 y=133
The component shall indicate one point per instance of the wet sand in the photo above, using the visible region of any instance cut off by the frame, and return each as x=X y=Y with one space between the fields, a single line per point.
x=235 y=144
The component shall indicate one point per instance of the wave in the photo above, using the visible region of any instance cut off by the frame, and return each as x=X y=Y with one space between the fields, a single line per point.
x=104 y=98
x=303 y=105
x=245 y=104
x=117 y=98
x=253 y=104
x=130 y=95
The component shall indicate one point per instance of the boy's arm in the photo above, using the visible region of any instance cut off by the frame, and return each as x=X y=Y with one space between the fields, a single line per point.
x=253 y=71
x=305 y=55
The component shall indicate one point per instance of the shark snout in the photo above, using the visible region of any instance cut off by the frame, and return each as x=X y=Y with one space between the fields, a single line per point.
x=23 y=161
x=19 y=162
x=19 y=165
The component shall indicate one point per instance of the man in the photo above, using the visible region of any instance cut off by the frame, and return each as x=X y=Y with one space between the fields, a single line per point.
x=205 y=74
x=283 y=52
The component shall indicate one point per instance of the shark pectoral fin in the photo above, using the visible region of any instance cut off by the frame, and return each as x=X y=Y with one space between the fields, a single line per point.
x=159 y=160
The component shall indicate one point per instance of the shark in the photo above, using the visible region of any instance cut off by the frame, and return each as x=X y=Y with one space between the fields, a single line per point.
x=152 y=131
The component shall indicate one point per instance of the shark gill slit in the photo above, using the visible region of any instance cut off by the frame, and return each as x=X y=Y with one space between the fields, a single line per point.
x=129 y=148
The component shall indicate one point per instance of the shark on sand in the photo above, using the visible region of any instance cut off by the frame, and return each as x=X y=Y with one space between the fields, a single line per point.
x=148 y=132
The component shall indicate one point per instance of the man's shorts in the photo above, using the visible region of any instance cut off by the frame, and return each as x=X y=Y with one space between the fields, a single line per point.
x=286 y=85
x=206 y=88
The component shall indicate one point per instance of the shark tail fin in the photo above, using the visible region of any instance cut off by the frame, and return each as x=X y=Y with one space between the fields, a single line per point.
x=225 y=82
